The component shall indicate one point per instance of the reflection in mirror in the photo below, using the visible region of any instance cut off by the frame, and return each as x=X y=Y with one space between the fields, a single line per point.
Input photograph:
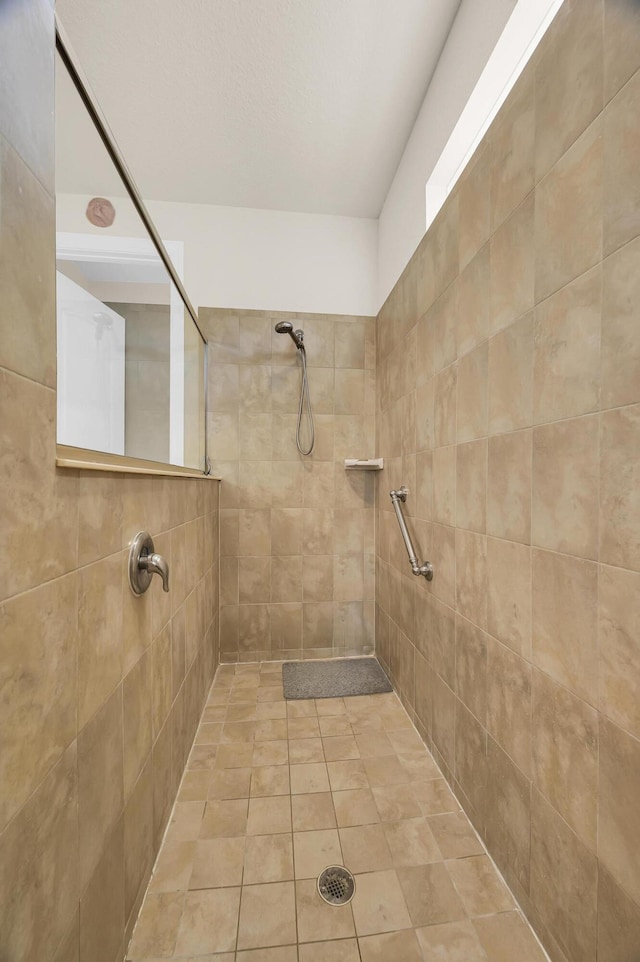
x=131 y=360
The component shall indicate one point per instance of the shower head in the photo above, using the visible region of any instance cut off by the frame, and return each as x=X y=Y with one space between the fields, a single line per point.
x=286 y=327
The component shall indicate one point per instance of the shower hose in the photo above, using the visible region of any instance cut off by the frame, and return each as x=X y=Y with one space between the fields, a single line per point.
x=305 y=404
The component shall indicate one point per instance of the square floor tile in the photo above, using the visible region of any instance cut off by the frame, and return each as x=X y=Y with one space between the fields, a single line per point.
x=507 y=936
x=224 y=818
x=306 y=779
x=391 y=947
x=194 y=786
x=385 y=770
x=157 y=927
x=303 y=728
x=455 y=835
x=330 y=706
x=334 y=725
x=379 y=905
x=301 y=708
x=411 y=842
x=355 y=807
x=347 y=775
x=282 y=953
x=237 y=755
x=406 y=740
x=271 y=730
x=267 y=915
x=270 y=753
x=173 y=868
x=238 y=731
x=340 y=748
x=365 y=849
x=217 y=863
x=276 y=709
x=314 y=851
x=269 y=816
x=229 y=783
x=395 y=802
x=418 y=765
x=434 y=796
x=430 y=895
x=451 y=942
x=268 y=858
x=479 y=886
x=270 y=780
x=185 y=822
x=209 y=922
x=372 y=745
x=318 y=921
x=305 y=750
x=208 y=733
x=313 y=811
x=343 y=950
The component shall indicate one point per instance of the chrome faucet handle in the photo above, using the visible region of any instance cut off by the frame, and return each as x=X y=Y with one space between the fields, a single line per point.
x=144 y=563
x=157 y=565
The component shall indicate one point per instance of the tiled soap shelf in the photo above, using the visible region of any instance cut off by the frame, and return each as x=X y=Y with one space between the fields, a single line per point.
x=363 y=464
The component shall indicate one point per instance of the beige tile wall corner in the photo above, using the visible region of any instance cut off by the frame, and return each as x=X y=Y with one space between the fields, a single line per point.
x=100 y=692
x=296 y=533
x=508 y=401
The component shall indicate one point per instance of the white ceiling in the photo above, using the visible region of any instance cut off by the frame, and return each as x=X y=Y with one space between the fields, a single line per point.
x=299 y=105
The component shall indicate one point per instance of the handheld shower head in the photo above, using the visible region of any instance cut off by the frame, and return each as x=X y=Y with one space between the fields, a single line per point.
x=286 y=327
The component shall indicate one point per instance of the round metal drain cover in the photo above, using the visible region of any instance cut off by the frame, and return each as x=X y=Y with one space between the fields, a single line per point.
x=336 y=885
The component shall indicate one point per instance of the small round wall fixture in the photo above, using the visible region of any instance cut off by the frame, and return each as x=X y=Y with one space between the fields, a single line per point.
x=100 y=212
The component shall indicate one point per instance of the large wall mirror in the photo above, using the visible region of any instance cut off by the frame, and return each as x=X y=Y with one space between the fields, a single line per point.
x=131 y=358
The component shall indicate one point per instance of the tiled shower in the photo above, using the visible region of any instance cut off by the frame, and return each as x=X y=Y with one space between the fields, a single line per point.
x=500 y=382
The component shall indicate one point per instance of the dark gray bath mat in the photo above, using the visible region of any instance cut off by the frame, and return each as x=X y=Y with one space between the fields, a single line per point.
x=333 y=679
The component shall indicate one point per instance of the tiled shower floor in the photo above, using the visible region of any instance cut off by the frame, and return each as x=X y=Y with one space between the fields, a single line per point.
x=275 y=791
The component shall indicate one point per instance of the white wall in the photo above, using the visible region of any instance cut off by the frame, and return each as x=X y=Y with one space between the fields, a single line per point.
x=473 y=36
x=258 y=259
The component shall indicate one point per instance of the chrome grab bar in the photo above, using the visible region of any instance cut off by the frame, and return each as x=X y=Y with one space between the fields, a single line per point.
x=425 y=569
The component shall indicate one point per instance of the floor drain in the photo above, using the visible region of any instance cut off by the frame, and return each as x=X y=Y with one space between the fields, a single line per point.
x=336 y=885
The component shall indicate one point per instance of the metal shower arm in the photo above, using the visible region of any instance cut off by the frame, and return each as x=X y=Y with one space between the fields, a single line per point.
x=397 y=499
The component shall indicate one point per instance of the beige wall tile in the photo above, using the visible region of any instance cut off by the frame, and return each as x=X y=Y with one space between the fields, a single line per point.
x=471 y=485
x=621 y=34
x=509 y=703
x=621 y=202
x=444 y=485
x=513 y=150
x=563 y=882
x=565 y=643
x=618 y=618
x=474 y=205
x=472 y=307
x=471 y=419
x=565 y=754
x=444 y=408
x=618 y=920
x=471 y=576
x=620 y=329
x=27 y=335
x=566 y=368
x=565 y=485
x=99 y=634
x=508 y=818
x=137 y=732
x=617 y=824
x=100 y=782
x=569 y=80
x=471 y=667
x=509 y=594
x=510 y=399
x=568 y=228
x=620 y=488
x=39 y=644
x=512 y=267
x=38 y=503
x=509 y=487
x=41 y=846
